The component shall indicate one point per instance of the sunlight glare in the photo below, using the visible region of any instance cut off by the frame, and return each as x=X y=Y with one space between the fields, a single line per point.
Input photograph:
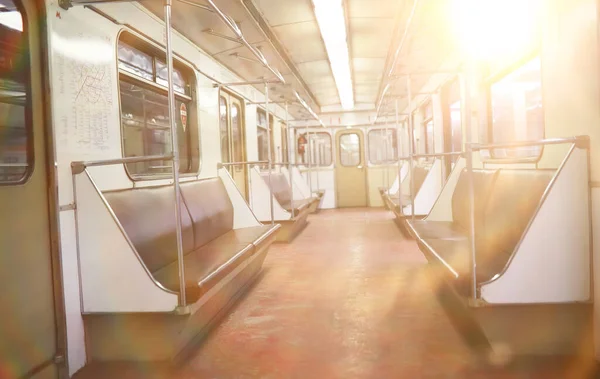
x=494 y=29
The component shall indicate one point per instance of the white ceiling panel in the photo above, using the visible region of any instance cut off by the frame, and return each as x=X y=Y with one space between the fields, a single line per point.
x=373 y=8
x=370 y=66
x=370 y=37
x=302 y=41
x=316 y=71
x=278 y=12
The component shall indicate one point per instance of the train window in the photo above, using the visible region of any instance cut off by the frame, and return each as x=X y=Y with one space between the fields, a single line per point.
x=262 y=135
x=455 y=127
x=517 y=112
x=145 y=111
x=350 y=150
x=452 y=121
x=383 y=145
x=236 y=130
x=320 y=149
x=15 y=123
x=427 y=144
x=223 y=128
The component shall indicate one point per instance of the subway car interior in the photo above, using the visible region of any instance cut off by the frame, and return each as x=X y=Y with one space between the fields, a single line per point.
x=299 y=189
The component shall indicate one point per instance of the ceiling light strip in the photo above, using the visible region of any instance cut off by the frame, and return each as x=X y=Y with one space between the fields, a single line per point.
x=332 y=23
x=309 y=109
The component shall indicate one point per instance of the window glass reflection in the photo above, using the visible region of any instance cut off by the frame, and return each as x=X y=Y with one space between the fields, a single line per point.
x=517 y=110
x=350 y=150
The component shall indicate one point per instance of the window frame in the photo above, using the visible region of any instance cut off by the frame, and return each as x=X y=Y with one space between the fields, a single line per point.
x=360 y=150
x=223 y=98
x=489 y=129
x=330 y=150
x=27 y=106
x=394 y=145
x=270 y=135
x=427 y=118
x=285 y=143
x=157 y=52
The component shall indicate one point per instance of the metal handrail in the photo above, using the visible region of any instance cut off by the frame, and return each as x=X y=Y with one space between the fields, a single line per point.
x=236 y=30
x=14 y=165
x=542 y=142
x=219 y=164
x=79 y=166
x=439 y=155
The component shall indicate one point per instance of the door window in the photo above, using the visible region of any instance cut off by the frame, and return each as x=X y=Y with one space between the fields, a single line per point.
x=223 y=110
x=16 y=154
x=350 y=150
x=237 y=133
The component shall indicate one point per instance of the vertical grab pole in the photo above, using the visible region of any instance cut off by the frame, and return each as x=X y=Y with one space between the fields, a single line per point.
x=270 y=162
x=309 y=159
x=400 y=163
x=411 y=148
x=175 y=152
x=318 y=161
x=469 y=153
x=385 y=153
x=289 y=160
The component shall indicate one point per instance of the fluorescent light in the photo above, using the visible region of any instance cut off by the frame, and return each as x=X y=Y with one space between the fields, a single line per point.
x=332 y=23
x=309 y=109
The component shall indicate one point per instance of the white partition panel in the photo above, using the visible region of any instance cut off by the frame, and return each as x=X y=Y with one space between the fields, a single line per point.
x=429 y=191
x=242 y=214
x=299 y=192
x=260 y=200
x=396 y=185
x=300 y=182
x=553 y=262
x=442 y=209
x=326 y=182
x=112 y=277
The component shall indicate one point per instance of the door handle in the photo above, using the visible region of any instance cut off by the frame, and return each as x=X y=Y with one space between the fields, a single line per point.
x=360 y=167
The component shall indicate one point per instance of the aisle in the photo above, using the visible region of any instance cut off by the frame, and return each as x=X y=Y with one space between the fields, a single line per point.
x=349 y=298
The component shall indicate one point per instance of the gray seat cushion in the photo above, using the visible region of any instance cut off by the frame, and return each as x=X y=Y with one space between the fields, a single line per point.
x=436 y=229
x=204 y=261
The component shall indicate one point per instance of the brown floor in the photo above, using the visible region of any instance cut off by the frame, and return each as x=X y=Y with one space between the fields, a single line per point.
x=349 y=298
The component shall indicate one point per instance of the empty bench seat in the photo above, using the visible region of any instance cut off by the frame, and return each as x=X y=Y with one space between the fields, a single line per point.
x=282 y=192
x=505 y=201
x=395 y=202
x=289 y=213
x=211 y=247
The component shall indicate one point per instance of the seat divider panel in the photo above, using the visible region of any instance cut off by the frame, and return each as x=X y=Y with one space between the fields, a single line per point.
x=442 y=209
x=243 y=217
x=260 y=200
x=430 y=189
x=552 y=262
x=113 y=277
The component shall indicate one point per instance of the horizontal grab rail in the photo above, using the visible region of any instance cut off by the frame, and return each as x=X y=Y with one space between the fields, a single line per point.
x=219 y=165
x=78 y=166
x=231 y=24
x=14 y=164
x=437 y=155
x=544 y=142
